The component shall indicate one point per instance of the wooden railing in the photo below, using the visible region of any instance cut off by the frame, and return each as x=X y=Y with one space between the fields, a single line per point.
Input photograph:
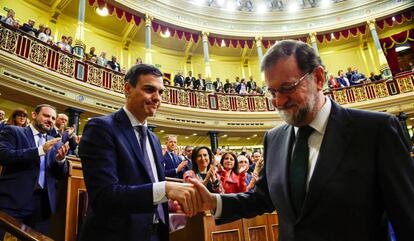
x=16 y=230
x=50 y=57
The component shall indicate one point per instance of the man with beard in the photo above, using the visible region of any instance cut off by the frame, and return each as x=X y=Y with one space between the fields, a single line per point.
x=32 y=161
x=331 y=173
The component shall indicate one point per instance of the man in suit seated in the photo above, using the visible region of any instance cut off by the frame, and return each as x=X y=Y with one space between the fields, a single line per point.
x=251 y=85
x=179 y=79
x=173 y=165
x=32 y=161
x=331 y=173
x=122 y=166
x=2 y=115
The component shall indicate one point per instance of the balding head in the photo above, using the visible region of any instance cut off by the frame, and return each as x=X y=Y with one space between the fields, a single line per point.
x=61 y=121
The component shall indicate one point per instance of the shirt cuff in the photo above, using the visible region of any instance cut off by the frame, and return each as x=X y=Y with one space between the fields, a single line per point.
x=158 y=193
x=217 y=213
x=41 y=151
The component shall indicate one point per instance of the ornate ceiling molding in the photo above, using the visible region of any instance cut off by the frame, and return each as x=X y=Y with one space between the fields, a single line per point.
x=270 y=24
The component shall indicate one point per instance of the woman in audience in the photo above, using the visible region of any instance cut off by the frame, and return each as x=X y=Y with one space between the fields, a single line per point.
x=18 y=118
x=251 y=178
x=233 y=180
x=45 y=35
x=205 y=168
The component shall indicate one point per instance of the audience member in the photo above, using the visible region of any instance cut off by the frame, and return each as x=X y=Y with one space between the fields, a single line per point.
x=9 y=18
x=241 y=87
x=32 y=161
x=18 y=118
x=200 y=83
x=205 y=168
x=356 y=77
x=173 y=165
x=92 y=54
x=232 y=178
x=63 y=43
x=66 y=134
x=333 y=82
x=138 y=61
x=179 y=79
x=189 y=80
x=342 y=79
x=2 y=114
x=69 y=47
x=251 y=178
x=16 y=24
x=217 y=84
x=29 y=28
x=41 y=29
x=188 y=151
x=113 y=64
x=227 y=86
x=349 y=73
x=101 y=60
x=45 y=35
x=373 y=77
x=251 y=84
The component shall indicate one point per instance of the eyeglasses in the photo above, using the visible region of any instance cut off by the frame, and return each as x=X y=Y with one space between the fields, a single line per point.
x=21 y=115
x=288 y=88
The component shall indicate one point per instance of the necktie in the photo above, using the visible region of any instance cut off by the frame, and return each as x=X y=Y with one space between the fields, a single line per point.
x=143 y=133
x=299 y=168
x=41 y=179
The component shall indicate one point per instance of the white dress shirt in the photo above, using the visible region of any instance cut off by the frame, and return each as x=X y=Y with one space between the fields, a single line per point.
x=314 y=142
x=158 y=188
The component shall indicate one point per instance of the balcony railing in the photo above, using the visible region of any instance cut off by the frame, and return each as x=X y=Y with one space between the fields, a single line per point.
x=50 y=57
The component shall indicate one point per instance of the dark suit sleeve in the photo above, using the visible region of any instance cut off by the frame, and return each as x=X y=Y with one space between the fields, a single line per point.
x=10 y=154
x=169 y=166
x=101 y=163
x=248 y=204
x=396 y=179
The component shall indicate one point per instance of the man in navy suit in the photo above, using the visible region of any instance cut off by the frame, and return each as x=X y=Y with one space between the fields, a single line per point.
x=173 y=165
x=32 y=161
x=69 y=135
x=179 y=79
x=331 y=173
x=123 y=172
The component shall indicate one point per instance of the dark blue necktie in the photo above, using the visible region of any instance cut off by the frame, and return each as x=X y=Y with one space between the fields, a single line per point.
x=299 y=168
x=143 y=134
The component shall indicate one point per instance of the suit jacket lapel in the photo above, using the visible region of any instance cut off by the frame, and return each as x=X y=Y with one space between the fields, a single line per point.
x=157 y=155
x=336 y=139
x=128 y=131
x=29 y=134
x=277 y=172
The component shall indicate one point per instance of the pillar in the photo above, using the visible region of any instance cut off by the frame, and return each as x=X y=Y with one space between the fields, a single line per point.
x=384 y=67
x=79 y=48
x=312 y=37
x=74 y=117
x=207 y=67
x=148 y=51
x=213 y=140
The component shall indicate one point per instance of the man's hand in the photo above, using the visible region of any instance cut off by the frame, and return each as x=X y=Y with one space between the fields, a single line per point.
x=63 y=150
x=182 y=165
x=209 y=201
x=49 y=144
x=186 y=195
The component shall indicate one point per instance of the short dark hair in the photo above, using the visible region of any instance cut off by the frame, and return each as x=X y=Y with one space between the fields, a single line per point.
x=236 y=165
x=304 y=54
x=38 y=108
x=194 y=157
x=137 y=70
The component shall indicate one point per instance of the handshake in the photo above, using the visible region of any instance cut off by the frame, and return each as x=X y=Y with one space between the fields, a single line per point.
x=192 y=197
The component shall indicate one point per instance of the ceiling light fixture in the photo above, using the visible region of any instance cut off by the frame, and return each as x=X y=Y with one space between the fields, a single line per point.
x=325 y=3
x=103 y=12
x=261 y=8
x=293 y=7
x=162 y=131
x=166 y=34
x=220 y=3
x=393 y=19
x=194 y=134
x=231 y=6
x=223 y=44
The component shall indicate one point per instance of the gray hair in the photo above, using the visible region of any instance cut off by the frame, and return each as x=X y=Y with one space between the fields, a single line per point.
x=305 y=55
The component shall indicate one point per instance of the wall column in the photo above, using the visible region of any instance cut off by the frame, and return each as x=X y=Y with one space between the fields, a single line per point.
x=148 y=51
x=213 y=140
x=207 y=67
x=384 y=67
x=74 y=117
x=79 y=48
x=260 y=55
x=312 y=37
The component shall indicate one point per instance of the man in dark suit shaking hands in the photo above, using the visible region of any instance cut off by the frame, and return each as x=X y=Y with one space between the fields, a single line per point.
x=123 y=172
x=331 y=173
